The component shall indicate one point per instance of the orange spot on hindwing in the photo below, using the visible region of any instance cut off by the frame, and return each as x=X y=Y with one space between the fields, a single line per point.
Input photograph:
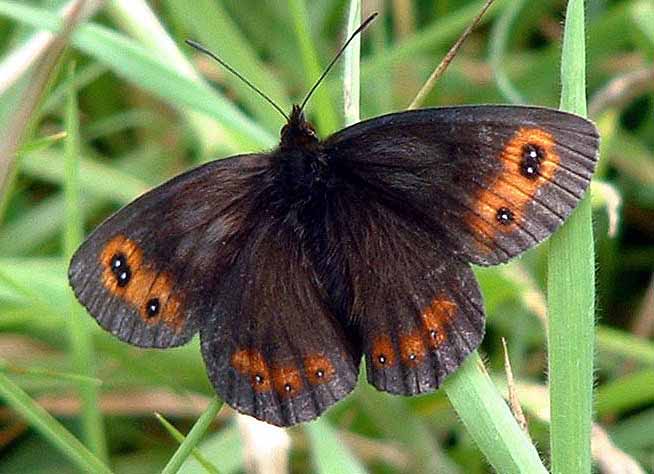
x=286 y=381
x=414 y=345
x=252 y=364
x=412 y=348
x=528 y=161
x=285 y=378
x=318 y=369
x=383 y=352
x=127 y=276
x=436 y=319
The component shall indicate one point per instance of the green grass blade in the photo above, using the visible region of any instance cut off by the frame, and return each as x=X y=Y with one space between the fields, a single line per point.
x=179 y=437
x=81 y=346
x=351 y=61
x=50 y=428
x=95 y=178
x=137 y=19
x=40 y=372
x=437 y=34
x=629 y=392
x=225 y=445
x=642 y=13
x=148 y=71
x=98 y=181
x=326 y=118
x=193 y=438
x=498 y=42
x=489 y=421
x=84 y=76
x=330 y=456
x=40 y=144
x=414 y=433
x=22 y=235
x=571 y=291
x=209 y=22
x=73 y=233
x=620 y=343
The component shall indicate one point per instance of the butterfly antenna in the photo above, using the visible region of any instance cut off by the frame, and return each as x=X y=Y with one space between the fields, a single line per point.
x=204 y=50
x=440 y=69
x=336 y=57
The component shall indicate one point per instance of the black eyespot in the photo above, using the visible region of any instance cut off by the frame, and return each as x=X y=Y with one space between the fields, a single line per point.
x=258 y=379
x=120 y=269
x=381 y=359
x=118 y=262
x=433 y=333
x=504 y=215
x=288 y=387
x=152 y=307
x=320 y=373
x=412 y=357
x=532 y=155
x=124 y=277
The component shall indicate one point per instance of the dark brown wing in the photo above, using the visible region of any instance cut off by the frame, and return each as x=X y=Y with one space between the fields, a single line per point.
x=416 y=308
x=491 y=181
x=273 y=348
x=145 y=273
x=425 y=193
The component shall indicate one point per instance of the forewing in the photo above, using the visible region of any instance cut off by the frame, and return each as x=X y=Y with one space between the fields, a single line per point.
x=417 y=309
x=493 y=181
x=273 y=349
x=145 y=273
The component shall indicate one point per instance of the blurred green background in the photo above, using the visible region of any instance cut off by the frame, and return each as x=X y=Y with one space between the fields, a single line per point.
x=146 y=115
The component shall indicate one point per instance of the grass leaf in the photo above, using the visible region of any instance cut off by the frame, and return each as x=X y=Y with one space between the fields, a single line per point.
x=571 y=290
x=489 y=420
x=498 y=43
x=193 y=438
x=329 y=454
x=145 y=69
x=50 y=428
x=351 y=61
x=179 y=437
x=81 y=346
x=326 y=118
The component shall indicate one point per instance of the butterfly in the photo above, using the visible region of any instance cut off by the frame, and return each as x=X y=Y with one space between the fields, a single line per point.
x=295 y=264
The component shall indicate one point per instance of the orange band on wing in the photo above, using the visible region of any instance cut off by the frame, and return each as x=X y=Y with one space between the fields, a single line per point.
x=148 y=291
x=284 y=378
x=528 y=162
x=414 y=345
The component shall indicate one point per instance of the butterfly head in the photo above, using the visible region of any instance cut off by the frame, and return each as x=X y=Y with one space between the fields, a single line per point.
x=298 y=133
